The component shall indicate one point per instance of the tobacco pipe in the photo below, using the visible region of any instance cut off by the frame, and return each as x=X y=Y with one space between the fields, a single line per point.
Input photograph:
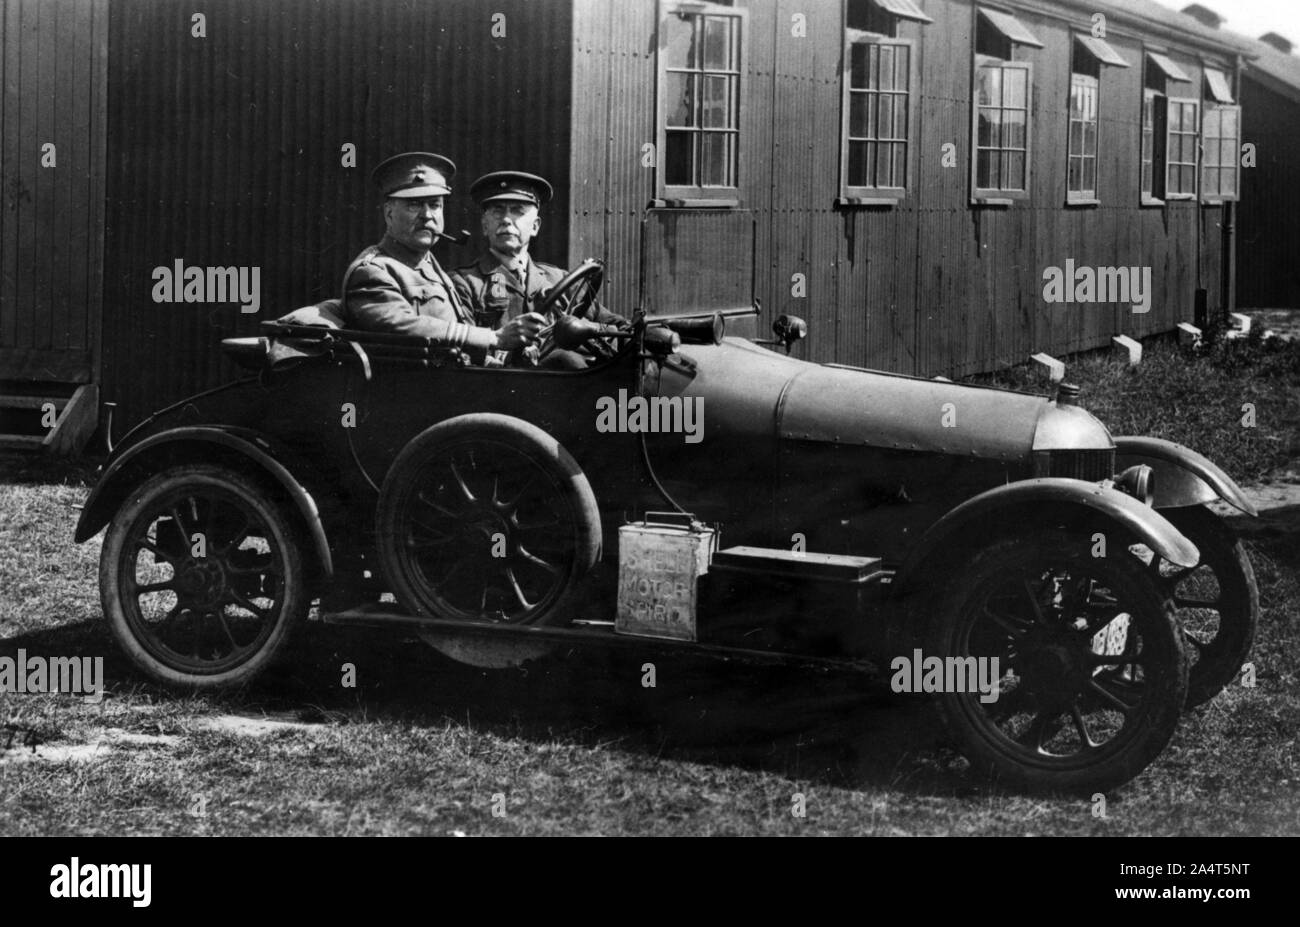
x=456 y=238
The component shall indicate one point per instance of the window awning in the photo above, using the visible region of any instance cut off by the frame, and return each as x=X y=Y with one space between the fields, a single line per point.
x=1101 y=50
x=903 y=9
x=1167 y=66
x=1217 y=83
x=1011 y=28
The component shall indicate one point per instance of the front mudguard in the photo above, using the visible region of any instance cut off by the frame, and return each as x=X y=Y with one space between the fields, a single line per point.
x=200 y=443
x=1031 y=503
x=1182 y=476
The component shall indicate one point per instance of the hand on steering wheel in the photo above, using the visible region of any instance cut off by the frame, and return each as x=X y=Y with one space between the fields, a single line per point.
x=574 y=296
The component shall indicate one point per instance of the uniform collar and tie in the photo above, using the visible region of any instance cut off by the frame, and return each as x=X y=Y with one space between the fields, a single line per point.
x=423 y=263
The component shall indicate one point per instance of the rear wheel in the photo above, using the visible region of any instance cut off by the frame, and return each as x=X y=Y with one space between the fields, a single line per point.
x=1091 y=671
x=201 y=577
x=487 y=518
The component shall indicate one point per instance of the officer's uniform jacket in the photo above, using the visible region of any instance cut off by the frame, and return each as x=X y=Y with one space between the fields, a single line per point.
x=495 y=294
x=392 y=288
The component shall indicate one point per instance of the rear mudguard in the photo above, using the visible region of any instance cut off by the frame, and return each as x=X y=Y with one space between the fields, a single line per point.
x=121 y=477
x=1020 y=506
x=1183 y=477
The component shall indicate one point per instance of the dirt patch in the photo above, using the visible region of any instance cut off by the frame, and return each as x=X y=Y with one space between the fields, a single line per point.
x=252 y=727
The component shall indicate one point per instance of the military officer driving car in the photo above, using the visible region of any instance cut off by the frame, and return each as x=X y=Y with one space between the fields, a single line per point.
x=506 y=282
x=397 y=285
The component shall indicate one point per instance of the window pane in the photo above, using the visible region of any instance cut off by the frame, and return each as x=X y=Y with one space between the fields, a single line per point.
x=900 y=164
x=713 y=160
x=678 y=158
x=857 y=164
x=715 y=104
x=1146 y=176
x=886 y=117
x=989 y=123
x=1090 y=138
x=1015 y=79
x=902 y=72
x=987 y=170
x=858 y=114
x=900 y=117
x=679 y=42
x=869 y=163
x=1212 y=122
x=989 y=80
x=1076 y=175
x=1014 y=162
x=872 y=125
x=1090 y=175
x=717 y=42
x=873 y=71
x=1076 y=138
x=679 y=91
x=1230 y=181
x=1013 y=129
x=886 y=67
x=1230 y=122
x=858 y=66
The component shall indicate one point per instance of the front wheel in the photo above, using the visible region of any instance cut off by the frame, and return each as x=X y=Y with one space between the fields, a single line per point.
x=201 y=577
x=1091 y=672
x=1216 y=602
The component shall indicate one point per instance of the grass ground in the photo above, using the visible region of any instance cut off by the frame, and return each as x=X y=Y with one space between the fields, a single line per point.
x=576 y=744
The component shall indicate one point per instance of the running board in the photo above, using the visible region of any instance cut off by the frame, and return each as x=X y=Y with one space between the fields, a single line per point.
x=386 y=615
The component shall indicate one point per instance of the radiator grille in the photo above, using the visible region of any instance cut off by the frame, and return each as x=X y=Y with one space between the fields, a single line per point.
x=1090 y=465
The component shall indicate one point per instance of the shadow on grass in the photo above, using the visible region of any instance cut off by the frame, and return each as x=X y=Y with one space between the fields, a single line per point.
x=37 y=468
x=834 y=727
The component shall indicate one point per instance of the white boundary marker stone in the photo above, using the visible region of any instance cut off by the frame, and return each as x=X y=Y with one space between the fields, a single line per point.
x=1188 y=335
x=1240 y=322
x=1131 y=349
x=1045 y=365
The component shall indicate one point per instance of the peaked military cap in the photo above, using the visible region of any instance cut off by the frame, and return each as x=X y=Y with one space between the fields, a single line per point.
x=514 y=186
x=414 y=173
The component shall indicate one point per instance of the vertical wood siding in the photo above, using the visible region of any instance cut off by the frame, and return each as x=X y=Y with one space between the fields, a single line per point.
x=227 y=151
x=53 y=60
x=931 y=285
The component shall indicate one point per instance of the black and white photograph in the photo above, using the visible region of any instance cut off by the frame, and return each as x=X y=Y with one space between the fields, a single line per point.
x=457 y=418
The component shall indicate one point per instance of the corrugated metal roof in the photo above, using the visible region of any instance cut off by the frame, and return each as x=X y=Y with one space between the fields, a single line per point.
x=1145 y=14
x=1281 y=68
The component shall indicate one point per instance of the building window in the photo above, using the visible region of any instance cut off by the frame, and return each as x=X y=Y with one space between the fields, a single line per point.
x=879 y=80
x=1089 y=55
x=700 y=67
x=1156 y=118
x=1001 y=117
x=1220 y=141
x=1082 y=171
x=1183 y=139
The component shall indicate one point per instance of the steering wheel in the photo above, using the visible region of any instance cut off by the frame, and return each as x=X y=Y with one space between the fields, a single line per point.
x=588 y=275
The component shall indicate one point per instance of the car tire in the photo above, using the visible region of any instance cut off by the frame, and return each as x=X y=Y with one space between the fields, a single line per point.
x=1217 y=646
x=226 y=581
x=1039 y=602
x=486 y=517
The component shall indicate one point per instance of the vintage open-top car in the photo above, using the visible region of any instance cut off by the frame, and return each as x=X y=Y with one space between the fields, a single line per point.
x=864 y=517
